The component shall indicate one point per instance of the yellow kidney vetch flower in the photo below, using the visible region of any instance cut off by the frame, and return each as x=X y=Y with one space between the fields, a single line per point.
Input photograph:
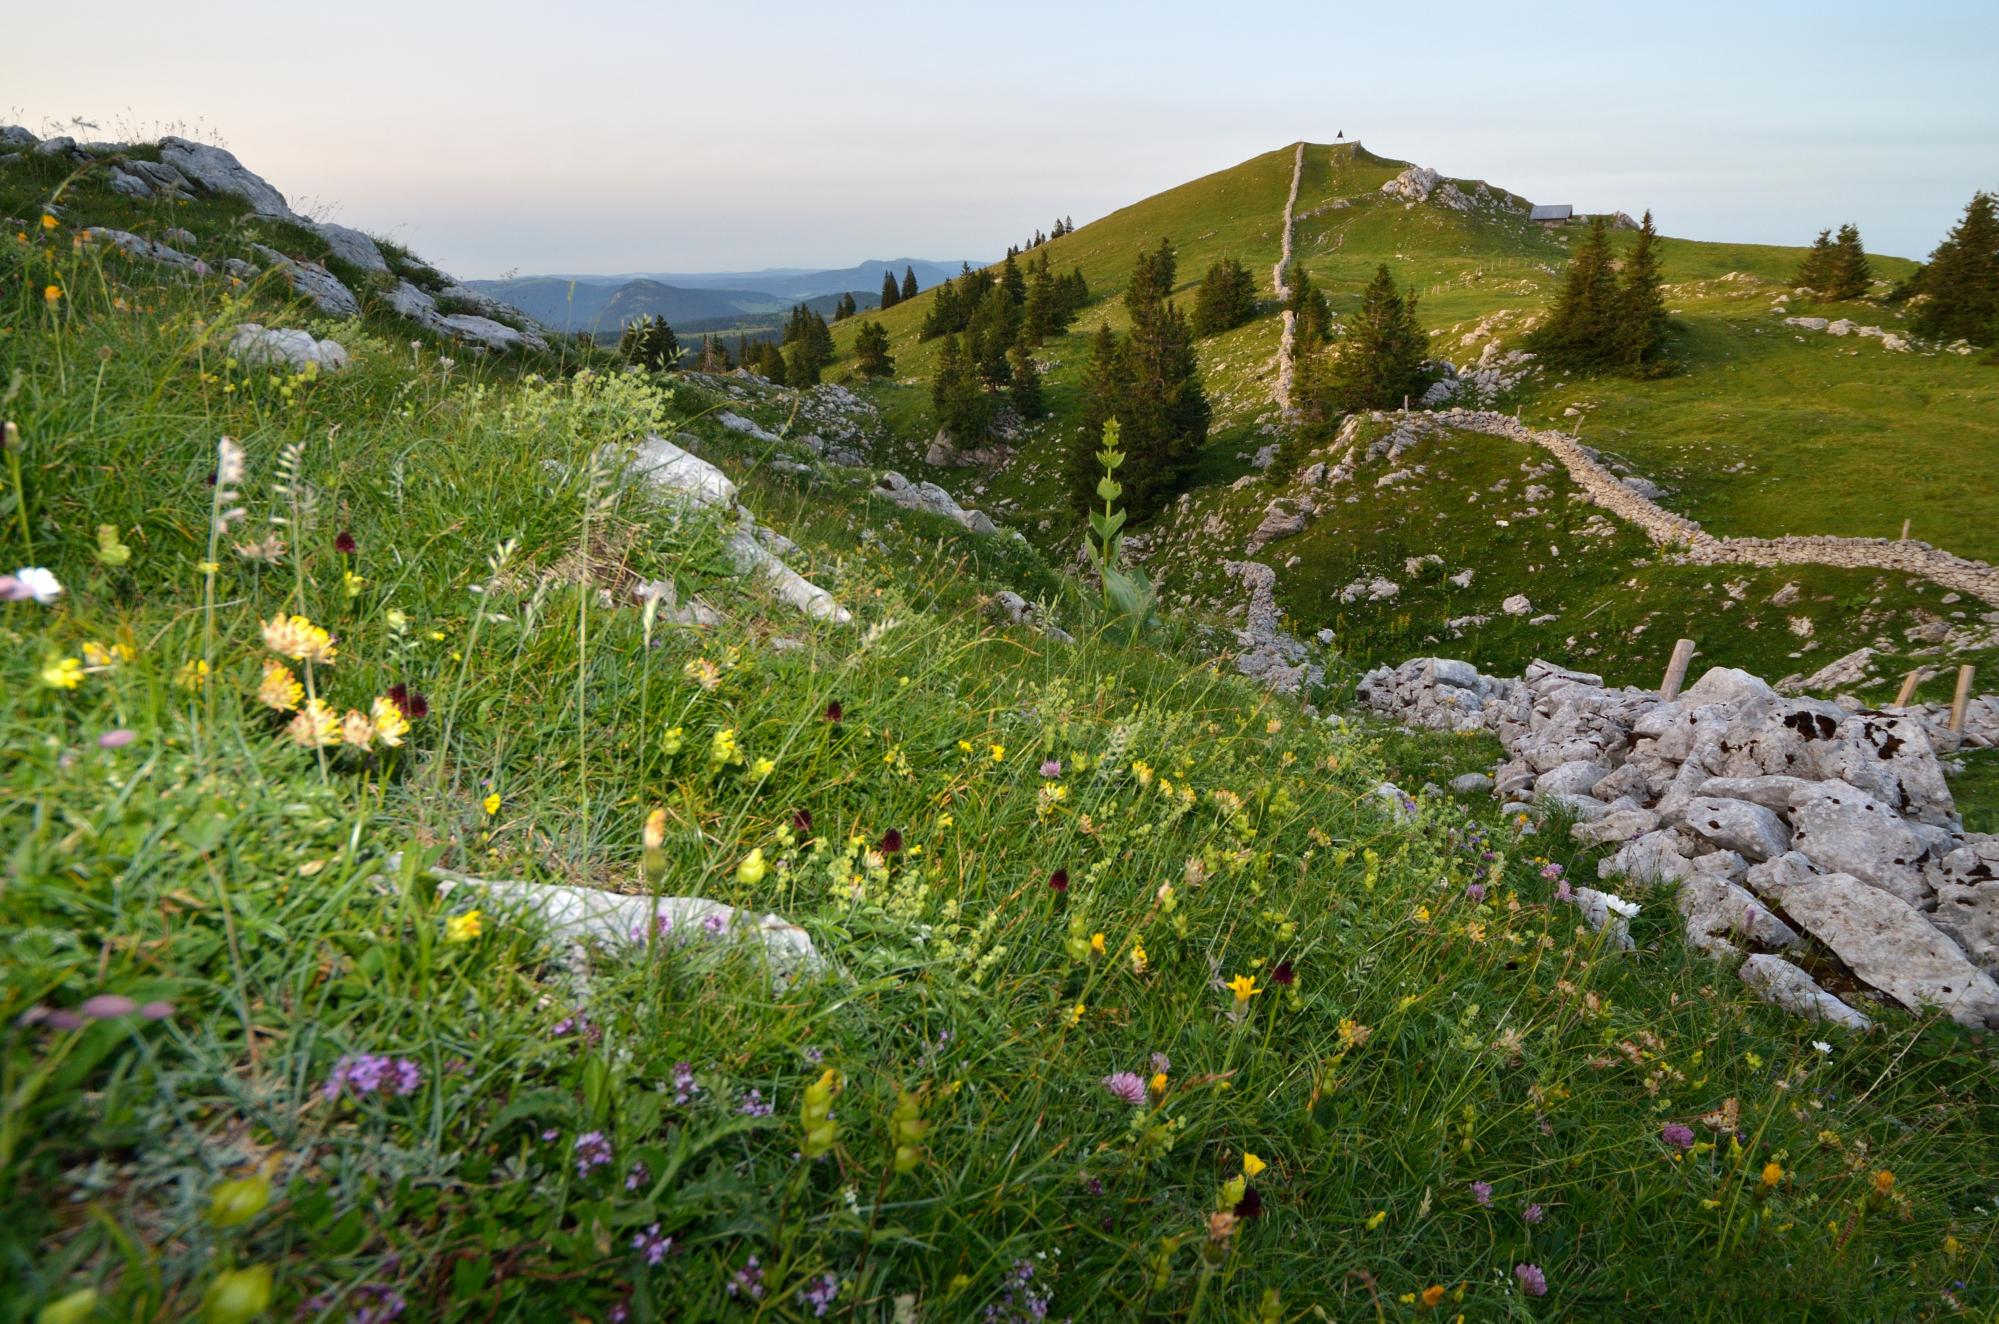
x=193 y=674
x=299 y=639
x=315 y=726
x=106 y=657
x=491 y=804
x=63 y=674
x=390 y=724
x=357 y=730
x=463 y=928
x=280 y=691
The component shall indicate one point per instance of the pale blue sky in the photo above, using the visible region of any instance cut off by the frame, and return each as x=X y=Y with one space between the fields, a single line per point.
x=612 y=136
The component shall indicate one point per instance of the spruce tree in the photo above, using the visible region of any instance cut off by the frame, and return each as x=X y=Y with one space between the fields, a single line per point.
x=1025 y=388
x=1815 y=272
x=650 y=343
x=1380 y=358
x=963 y=408
x=1848 y=276
x=890 y=294
x=1311 y=314
x=1642 y=310
x=845 y=308
x=1012 y=283
x=1960 y=283
x=909 y=282
x=1151 y=279
x=1581 y=333
x=1227 y=298
x=989 y=336
x=871 y=354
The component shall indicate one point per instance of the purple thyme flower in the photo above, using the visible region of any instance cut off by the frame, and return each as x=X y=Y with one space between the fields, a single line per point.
x=1475 y=893
x=1161 y=1062
x=813 y=1057
x=1551 y=872
x=714 y=923
x=372 y=1074
x=753 y=1105
x=1481 y=1191
x=636 y=1176
x=1563 y=892
x=1532 y=1281
x=1051 y=768
x=819 y=1294
x=1533 y=1213
x=1126 y=1087
x=748 y=1281
x=592 y=1151
x=1677 y=1135
x=650 y=1245
x=117 y=738
x=685 y=1090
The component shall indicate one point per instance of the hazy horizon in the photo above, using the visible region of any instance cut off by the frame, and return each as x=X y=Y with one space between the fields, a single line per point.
x=620 y=138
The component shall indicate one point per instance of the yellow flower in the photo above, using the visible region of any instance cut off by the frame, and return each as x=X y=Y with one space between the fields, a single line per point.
x=1076 y=1014
x=1252 y=1165
x=280 y=691
x=999 y=753
x=751 y=871
x=654 y=833
x=723 y=749
x=462 y=928
x=396 y=620
x=491 y=804
x=671 y=742
x=1244 y=987
x=1433 y=1296
x=97 y=655
x=1884 y=1183
x=299 y=639
x=193 y=674
x=351 y=584
x=1376 y=1219
x=763 y=767
x=1772 y=1173
x=315 y=726
x=1138 y=958
x=1097 y=943
x=63 y=674
x=702 y=672
x=48 y=221
x=390 y=724
x=52 y=293
x=357 y=730
x=1158 y=1082
x=1143 y=771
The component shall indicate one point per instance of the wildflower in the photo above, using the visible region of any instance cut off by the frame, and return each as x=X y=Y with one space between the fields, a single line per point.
x=1139 y=960
x=592 y=1151
x=1051 y=768
x=1563 y=892
x=1244 y=987
x=390 y=723
x=1282 y=974
x=751 y=871
x=1884 y=1183
x=351 y=585
x=357 y=730
x=1097 y=944
x=801 y=823
x=343 y=543
x=816 y=1115
x=315 y=726
x=1822 y=1048
x=1125 y=1087
x=1532 y=1214
x=819 y=1294
x=1481 y=1191
x=63 y=674
x=651 y=1246
x=1433 y=1296
x=1551 y=872
x=835 y=713
x=1250 y=1205
x=1252 y=1166
x=1677 y=1135
x=370 y=1074
x=999 y=753
x=748 y=1281
x=636 y=1176
x=117 y=738
x=464 y=927
x=1076 y=1014
x=890 y=843
x=51 y=293
x=491 y=804
x=299 y=639
x=1352 y=1033
x=280 y=690
x=1059 y=880
x=1532 y=1281
x=48 y=222
x=700 y=671
x=1475 y=893
x=1376 y=1219
x=754 y=1105
x=1772 y=1173
x=763 y=768
x=723 y=749
x=97 y=655
x=1158 y=1082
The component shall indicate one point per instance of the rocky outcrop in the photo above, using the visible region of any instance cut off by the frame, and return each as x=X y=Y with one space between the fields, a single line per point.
x=933 y=499
x=217 y=170
x=1265 y=651
x=1776 y=816
x=252 y=343
x=313 y=281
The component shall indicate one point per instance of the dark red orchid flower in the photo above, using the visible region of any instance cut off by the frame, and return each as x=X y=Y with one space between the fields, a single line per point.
x=890 y=843
x=412 y=705
x=343 y=543
x=1059 y=880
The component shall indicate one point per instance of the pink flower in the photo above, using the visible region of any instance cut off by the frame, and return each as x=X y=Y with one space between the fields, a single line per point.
x=1677 y=1135
x=1051 y=768
x=116 y=738
x=1532 y=1281
x=1126 y=1087
x=1481 y=1191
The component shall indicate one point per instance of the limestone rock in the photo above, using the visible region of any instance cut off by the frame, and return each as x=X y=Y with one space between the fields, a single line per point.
x=1738 y=825
x=314 y=282
x=1715 y=908
x=1616 y=826
x=254 y=343
x=934 y=499
x=1891 y=945
x=1782 y=984
x=1846 y=831
x=218 y=171
x=1970 y=915
x=351 y=246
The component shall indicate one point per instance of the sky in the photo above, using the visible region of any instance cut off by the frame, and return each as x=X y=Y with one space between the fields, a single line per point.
x=600 y=136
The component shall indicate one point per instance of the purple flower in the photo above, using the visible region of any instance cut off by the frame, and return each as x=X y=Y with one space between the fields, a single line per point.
x=108 y=1006
x=1533 y=1213
x=1481 y=1191
x=636 y=1176
x=117 y=738
x=685 y=1089
x=748 y=1281
x=1475 y=893
x=650 y=1245
x=753 y=1105
x=592 y=1151
x=1126 y=1087
x=1059 y=880
x=1563 y=892
x=372 y=1074
x=1551 y=872
x=550 y=1134
x=1532 y=1281
x=819 y=1294
x=812 y=1055
x=1161 y=1062
x=1677 y=1135
x=1051 y=768
x=156 y=1011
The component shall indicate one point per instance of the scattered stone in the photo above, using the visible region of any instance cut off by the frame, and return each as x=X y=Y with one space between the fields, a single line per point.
x=1784 y=985
x=1471 y=783
x=934 y=499
x=253 y=343
x=313 y=281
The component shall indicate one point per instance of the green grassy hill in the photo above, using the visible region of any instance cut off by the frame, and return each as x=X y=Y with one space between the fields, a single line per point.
x=1142 y=1000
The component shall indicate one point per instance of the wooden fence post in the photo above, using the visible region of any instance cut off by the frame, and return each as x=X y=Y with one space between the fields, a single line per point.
x=1908 y=690
x=1676 y=670
x=1905 y=530
x=1962 y=699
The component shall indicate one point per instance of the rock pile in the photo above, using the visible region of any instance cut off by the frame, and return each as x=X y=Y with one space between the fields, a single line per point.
x=1795 y=825
x=1846 y=327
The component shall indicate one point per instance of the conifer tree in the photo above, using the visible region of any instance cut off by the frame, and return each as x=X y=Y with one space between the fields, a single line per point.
x=1012 y=282
x=1151 y=280
x=1227 y=298
x=909 y=282
x=1311 y=314
x=1025 y=387
x=890 y=294
x=1581 y=332
x=650 y=343
x=1815 y=272
x=1961 y=280
x=845 y=308
x=963 y=408
x=1642 y=306
x=1848 y=276
x=991 y=333
x=1380 y=358
x=871 y=354
x=766 y=359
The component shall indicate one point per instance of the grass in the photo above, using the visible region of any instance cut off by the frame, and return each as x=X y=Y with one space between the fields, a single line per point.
x=1447 y=1022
